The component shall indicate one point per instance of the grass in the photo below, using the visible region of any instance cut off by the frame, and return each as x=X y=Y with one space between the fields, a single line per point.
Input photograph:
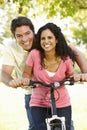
x=12 y=111
x=78 y=95
x=13 y=115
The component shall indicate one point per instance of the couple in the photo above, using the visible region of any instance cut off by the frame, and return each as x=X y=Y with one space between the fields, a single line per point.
x=45 y=62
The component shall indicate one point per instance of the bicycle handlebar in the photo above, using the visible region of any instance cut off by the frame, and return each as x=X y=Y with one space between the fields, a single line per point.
x=54 y=84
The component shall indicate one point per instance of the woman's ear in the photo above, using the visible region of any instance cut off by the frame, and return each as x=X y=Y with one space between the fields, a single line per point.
x=56 y=41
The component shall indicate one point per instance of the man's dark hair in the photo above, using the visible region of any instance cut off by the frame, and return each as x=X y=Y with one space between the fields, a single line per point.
x=19 y=21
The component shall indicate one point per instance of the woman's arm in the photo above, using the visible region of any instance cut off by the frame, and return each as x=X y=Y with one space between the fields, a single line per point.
x=27 y=75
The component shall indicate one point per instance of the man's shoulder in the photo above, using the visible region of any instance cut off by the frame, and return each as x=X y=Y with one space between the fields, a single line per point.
x=13 y=46
x=10 y=43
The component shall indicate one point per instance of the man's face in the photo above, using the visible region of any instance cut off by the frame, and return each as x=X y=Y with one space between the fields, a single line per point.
x=24 y=36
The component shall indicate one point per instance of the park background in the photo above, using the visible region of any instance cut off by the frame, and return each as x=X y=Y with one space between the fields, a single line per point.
x=71 y=16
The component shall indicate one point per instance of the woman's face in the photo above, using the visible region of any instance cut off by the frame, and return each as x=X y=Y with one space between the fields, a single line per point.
x=48 y=41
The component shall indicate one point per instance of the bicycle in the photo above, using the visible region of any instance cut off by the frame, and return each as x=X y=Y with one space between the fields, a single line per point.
x=55 y=122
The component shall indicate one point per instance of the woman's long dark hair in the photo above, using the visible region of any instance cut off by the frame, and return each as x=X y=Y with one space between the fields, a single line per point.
x=62 y=48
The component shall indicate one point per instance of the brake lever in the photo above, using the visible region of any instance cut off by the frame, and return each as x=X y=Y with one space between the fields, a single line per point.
x=72 y=81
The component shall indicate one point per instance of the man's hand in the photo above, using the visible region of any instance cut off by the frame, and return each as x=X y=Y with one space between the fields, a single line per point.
x=80 y=77
x=19 y=82
x=15 y=83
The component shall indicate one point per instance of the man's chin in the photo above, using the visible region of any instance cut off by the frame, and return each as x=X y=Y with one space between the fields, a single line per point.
x=26 y=49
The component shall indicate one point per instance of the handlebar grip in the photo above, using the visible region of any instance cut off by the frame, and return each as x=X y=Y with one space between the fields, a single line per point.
x=31 y=83
x=72 y=81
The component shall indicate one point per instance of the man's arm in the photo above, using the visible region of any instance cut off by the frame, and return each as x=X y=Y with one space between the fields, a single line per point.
x=8 y=79
x=80 y=59
x=6 y=73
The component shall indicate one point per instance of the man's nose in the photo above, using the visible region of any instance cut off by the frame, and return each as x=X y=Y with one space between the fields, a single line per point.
x=24 y=38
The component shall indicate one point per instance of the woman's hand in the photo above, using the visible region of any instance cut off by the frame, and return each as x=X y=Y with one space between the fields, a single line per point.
x=25 y=81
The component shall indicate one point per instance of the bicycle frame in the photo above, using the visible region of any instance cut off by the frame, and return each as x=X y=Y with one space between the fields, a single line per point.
x=55 y=122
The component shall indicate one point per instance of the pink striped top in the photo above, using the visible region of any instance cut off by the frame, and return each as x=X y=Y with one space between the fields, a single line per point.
x=40 y=95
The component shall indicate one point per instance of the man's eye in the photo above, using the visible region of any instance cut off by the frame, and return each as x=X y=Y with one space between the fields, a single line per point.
x=18 y=36
x=28 y=33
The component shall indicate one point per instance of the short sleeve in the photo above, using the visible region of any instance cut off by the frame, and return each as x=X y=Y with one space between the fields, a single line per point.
x=69 y=66
x=8 y=57
x=30 y=59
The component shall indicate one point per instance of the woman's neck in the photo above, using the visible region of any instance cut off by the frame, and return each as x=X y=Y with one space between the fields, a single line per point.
x=50 y=56
x=51 y=62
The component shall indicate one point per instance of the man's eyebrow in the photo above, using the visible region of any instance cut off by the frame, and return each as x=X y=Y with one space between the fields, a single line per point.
x=23 y=33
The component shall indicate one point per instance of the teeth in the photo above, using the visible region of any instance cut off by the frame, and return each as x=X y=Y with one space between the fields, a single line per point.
x=26 y=43
x=47 y=45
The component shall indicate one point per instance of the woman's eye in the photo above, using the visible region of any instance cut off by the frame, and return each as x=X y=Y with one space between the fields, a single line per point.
x=49 y=37
x=42 y=38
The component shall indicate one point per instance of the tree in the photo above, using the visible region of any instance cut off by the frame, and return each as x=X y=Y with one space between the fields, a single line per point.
x=80 y=28
x=51 y=8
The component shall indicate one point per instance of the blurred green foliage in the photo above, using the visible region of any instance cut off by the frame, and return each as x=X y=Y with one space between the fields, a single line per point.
x=75 y=9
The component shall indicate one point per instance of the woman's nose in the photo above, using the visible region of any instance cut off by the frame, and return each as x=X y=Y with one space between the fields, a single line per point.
x=46 y=40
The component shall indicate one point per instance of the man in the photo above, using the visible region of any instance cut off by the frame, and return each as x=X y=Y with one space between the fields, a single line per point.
x=15 y=54
x=82 y=63
x=80 y=59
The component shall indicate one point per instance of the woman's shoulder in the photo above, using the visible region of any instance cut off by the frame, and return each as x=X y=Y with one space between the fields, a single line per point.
x=68 y=60
x=34 y=52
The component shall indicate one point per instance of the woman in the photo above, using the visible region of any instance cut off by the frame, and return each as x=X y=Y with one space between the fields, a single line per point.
x=51 y=61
